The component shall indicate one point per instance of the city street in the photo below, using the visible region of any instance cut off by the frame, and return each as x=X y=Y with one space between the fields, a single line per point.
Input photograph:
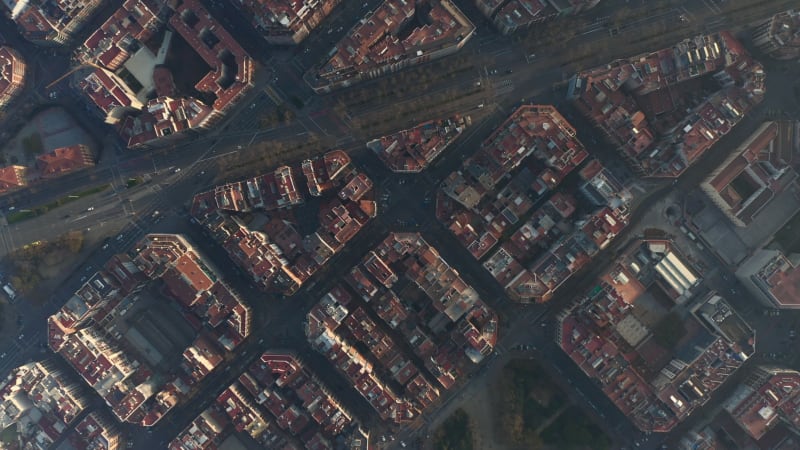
x=510 y=76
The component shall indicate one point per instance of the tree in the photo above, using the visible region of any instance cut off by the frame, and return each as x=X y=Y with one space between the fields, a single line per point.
x=74 y=241
x=455 y=433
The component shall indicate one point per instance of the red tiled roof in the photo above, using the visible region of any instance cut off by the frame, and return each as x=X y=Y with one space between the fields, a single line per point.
x=227 y=88
x=53 y=20
x=12 y=177
x=105 y=91
x=12 y=75
x=135 y=20
x=290 y=20
x=63 y=160
x=375 y=42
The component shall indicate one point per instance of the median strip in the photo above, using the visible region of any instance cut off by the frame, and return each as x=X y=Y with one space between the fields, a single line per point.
x=25 y=214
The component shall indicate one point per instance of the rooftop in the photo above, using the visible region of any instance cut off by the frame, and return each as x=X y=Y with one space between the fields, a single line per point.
x=623 y=97
x=287 y=22
x=615 y=335
x=119 y=49
x=412 y=150
x=12 y=177
x=51 y=20
x=774 y=275
x=323 y=173
x=782 y=37
x=86 y=333
x=231 y=67
x=40 y=401
x=490 y=201
x=760 y=168
x=111 y=44
x=205 y=432
x=96 y=432
x=396 y=34
x=758 y=405
x=437 y=297
x=111 y=95
x=63 y=160
x=277 y=256
x=297 y=400
x=12 y=75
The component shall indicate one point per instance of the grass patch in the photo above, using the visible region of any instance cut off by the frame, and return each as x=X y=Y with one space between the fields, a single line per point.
x=532 y=412
x=9 y=435
x=265 y=156
x=31 y=264
x=455 y=433
x=573 y=430
x=93 y=190
x=133 y=182
x=19 y=216
x=279 y=115
x=788 y=237
x=42 y=209
x=527 y=399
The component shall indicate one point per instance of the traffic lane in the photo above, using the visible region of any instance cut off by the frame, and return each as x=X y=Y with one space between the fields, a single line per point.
x=67 y=218
x=26 y=347
x=468 y=83
x=138 y=165
x=587 y=393
x=35 y=317
x=34 y=330
x=527 y=329
x=173 y=157
x=501 y=44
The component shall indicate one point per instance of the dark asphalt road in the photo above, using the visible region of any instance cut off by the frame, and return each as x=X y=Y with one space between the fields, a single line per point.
x=278 y=320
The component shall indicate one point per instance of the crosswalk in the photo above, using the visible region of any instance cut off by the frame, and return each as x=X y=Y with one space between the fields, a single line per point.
x=686 y=14
x=139 y=224
x=19 y=346
x=713 y=5
x=6 y=239
x=503 y=88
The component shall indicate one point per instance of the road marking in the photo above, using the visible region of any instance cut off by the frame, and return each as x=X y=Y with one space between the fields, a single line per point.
x=506 y=89
x=712 y=6
x=689 y=16
x=273 y=95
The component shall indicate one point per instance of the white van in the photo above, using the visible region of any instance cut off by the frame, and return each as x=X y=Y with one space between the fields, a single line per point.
x=10 y=292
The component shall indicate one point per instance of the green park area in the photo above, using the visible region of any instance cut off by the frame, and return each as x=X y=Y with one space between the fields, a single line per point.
x=9 y=436
x=532 y=412
x=39 y=261
x=455 y=433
